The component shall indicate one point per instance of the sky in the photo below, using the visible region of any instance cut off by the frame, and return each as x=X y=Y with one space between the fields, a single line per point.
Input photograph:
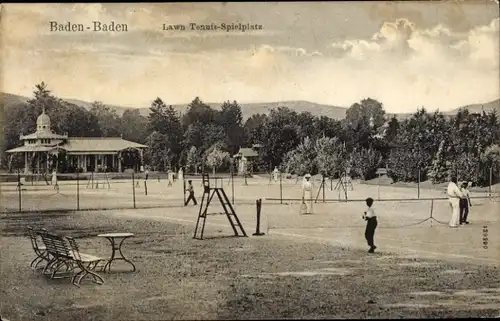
x=411 y=54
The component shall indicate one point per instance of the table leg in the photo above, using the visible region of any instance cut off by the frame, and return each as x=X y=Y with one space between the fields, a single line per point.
x=122 y=257
x=113 y=249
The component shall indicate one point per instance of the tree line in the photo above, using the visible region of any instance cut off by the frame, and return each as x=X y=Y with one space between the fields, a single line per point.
x=423 y=146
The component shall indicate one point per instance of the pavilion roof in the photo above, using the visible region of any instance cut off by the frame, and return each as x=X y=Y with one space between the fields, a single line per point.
x=247 y=152
x=84 y=145
x=31 y=148
x=99 y=144
x=42 y=135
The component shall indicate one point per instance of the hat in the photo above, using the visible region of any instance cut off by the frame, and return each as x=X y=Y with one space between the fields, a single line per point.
x=307 y=176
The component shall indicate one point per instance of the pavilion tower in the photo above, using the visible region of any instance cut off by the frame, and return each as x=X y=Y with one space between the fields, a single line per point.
x=43 y=123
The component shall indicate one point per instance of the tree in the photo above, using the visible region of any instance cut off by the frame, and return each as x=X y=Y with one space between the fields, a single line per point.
x=202 y=136
x=421 y=134
x=231 y=120
x=134 y=126
x=305 y=125
x=254 y=128
x=439 y=169
x=404 y=164
x=328 y=156
x=365 y=162
x=327 y=127
x=216 y=157
x=491 y=156
x=109 y=121
x=166 y=121
x=490 y=161
x=42 y=99
x=198 y=112
x=158 y=154
x=302 y=160
x=466 y=166
x=279 y=135
x=193 y=159
x=364 y=111
x=392 y=129
x=77 y=121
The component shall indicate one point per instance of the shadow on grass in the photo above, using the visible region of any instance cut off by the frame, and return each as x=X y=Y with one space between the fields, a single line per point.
x=207 y=238
x=57 y=222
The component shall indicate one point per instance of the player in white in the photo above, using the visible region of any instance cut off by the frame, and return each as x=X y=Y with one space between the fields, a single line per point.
x=180 y=175
x=276 y=172
x=170 y=177
x=454 y=195
x=307 y=187
x=54 y=180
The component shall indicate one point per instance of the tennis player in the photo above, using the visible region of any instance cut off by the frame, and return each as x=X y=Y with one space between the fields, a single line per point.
x=371 y=224
x=307 y=193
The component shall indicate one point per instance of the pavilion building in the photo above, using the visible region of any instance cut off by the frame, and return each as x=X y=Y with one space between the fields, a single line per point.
x=89 y=154
x=245 y=158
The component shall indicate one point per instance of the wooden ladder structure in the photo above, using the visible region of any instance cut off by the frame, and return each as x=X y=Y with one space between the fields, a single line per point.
x=208 y=195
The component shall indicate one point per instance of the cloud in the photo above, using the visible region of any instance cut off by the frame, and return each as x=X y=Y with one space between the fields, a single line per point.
x=401 y=63
x=403 y=38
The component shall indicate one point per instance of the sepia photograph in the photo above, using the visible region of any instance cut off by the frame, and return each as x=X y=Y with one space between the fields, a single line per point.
x=250 y=160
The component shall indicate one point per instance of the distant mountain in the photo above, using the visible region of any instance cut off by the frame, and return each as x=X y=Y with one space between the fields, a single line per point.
x=87 y=105
x=474 y=108
x=248 y=109
x=478 y=108
x=7 y=99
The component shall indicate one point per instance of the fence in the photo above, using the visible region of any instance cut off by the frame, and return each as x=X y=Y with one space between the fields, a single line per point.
x=344 y=188
x=99 y=191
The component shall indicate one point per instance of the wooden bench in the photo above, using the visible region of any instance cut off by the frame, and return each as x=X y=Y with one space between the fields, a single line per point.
x=40 y=250
x=65 y=252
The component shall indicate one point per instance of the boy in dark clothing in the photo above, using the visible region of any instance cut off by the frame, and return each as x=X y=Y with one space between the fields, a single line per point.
x=190 y=189
x=371 y=224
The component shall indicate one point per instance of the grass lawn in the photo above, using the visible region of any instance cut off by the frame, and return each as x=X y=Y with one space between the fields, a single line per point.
x=231 y=278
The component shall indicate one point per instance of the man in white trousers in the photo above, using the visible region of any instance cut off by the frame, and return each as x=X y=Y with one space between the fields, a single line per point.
x=454 y=195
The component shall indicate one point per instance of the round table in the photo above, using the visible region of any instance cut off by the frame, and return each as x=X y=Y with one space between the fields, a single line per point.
x=111 y=238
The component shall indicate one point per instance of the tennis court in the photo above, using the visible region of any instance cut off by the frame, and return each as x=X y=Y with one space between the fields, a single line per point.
x=405 y=223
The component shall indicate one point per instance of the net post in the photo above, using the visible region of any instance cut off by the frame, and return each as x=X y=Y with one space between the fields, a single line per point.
x=77 y=189
x=145 y=187
x=232 y=183
x=259 y=207
x=281 y=190
x=418 y=184
x=345 y=184
x=184 y=189
x=491 y=182
x=323 y=186
x=19 y=189
x=432 y=210
x=378 y=186
x=133 y=188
